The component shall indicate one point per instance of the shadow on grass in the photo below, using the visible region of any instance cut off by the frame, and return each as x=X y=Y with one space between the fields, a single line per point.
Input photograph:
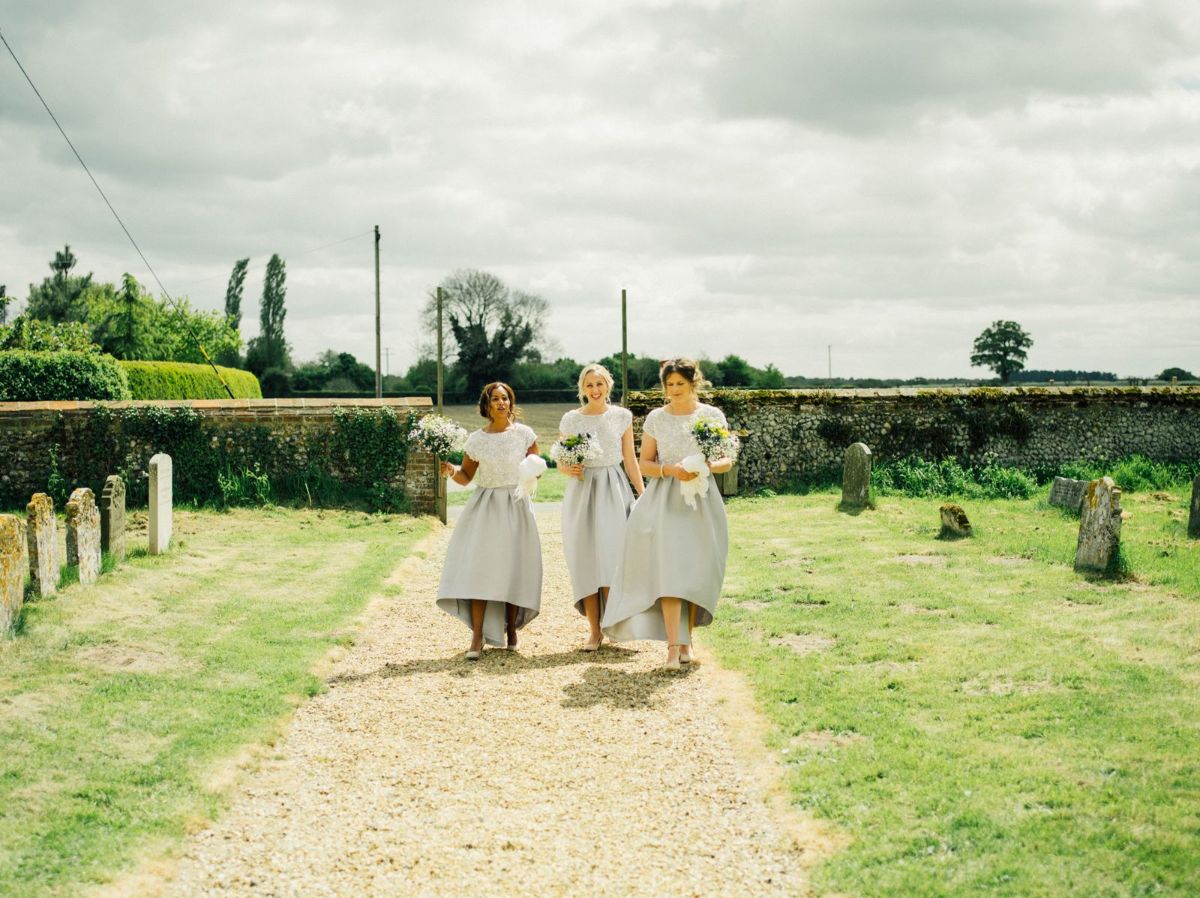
x=493 y=662
x=853 y=509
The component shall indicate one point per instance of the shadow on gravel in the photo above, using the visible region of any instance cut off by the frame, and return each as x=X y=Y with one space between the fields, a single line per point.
x=618 y=689
x=494 y=662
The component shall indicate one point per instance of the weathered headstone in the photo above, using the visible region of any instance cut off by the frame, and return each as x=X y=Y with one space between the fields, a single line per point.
x=160 y=503
x=1099 y=528
x=1194 y=517
x=83 y=534
x=1068 y=493
x=112 y=518
x=41 y=530
x=12 y=569
x=856 y=476
x=954 y=522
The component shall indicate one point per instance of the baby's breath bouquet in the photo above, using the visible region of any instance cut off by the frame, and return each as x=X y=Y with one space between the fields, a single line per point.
x=438 y=434
x=575 y=449
x=715 y=441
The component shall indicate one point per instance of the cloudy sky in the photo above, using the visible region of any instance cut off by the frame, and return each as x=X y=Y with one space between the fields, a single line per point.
x=765 y=178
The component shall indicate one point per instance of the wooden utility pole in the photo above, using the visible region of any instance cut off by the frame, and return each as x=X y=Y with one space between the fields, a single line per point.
x=378 y=369
x=439 y=350
x=624 y=352
x=829 y=346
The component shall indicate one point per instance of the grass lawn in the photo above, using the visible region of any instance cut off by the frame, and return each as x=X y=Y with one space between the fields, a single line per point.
x=976 y=717
x=121 y=703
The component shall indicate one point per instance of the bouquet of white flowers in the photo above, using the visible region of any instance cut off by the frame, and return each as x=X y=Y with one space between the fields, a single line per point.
x=438 y=434
x=715 y=441
x=575 y=449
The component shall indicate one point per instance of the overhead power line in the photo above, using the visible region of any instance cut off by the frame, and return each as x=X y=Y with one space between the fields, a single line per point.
x=104 y=196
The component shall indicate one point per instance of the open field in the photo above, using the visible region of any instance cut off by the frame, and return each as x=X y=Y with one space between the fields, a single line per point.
x=122 y=704
x=977 y=718
x=543 y=417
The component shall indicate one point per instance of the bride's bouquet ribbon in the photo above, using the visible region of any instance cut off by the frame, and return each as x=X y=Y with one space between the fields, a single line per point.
x=531 y=468
x=698 y=486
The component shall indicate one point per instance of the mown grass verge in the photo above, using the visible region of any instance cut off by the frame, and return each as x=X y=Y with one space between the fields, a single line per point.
x=976 y=717
x=119 y=701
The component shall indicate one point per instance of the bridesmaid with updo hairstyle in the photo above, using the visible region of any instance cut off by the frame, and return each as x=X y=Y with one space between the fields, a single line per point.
x=598 y=496
x=492 y=576
x=673 y=557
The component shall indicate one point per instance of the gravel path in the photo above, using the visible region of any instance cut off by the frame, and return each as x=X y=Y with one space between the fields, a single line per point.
x=545 y=772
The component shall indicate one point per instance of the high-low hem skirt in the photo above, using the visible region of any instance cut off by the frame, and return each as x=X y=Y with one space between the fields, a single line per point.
x=593 y=529
x=670 y=549
x=494 y=555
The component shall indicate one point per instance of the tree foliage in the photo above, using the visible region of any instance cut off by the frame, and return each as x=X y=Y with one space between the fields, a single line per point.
x=269 y=349
x=1182 y=373
x=1001 y=347
x=42 y=336
x=335 y=372
x=491 y=327
x=233 y=293
x=60 y=297
x=124 y=325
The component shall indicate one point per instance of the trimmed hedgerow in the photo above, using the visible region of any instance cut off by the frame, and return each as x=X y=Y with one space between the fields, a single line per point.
x=186 y=380
x=27 y=376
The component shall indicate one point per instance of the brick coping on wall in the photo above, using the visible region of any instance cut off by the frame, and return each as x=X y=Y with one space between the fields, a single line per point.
x=254 y=404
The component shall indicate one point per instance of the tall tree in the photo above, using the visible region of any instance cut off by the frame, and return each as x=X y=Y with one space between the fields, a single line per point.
x=1001 y=347
x=269 y=349
x=233 y=293
x=125 y=330
x=491 y=326
x=59 y=297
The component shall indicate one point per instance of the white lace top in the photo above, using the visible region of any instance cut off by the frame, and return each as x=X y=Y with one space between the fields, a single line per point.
x=499 y=454
x=673 y=433
x=607 y=428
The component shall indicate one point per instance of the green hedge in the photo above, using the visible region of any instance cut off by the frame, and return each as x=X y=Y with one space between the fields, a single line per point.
x=185 y=380
x=50 y=376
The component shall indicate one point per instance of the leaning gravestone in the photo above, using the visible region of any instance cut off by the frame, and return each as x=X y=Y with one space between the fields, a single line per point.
x=112 y=518
x=954 y=522
x=83 y=534
x=1194 y=518
x=160 y=503
x=856 y=476
x=42 y=534
x=1099 y=528
x=12 y=569
x=1068 y=493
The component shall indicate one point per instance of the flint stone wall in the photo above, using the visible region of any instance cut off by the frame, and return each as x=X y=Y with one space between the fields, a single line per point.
x=803 y=434
x=284 y=435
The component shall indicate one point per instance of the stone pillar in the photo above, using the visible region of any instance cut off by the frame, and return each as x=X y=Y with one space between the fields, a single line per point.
x=83 y=534
x=12 y=570
x=42 y=534
x=856 y=477
x=112 y=518
x=1194 y=517
x=1099 y=543
x=160 y=503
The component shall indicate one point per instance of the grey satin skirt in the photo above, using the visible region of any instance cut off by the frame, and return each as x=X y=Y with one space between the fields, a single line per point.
x=593 y=529
x=670 y=549
x=495 y=555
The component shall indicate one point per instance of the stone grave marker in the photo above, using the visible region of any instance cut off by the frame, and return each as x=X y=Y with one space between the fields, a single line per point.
x=41 y=530
x=12 y=569
x=83 y=534
x=160 y=503
x=1099 y=528
x=856 y=476
x=955 y=524
x=112 y=518
x=1194 y=517
x=1068 y=493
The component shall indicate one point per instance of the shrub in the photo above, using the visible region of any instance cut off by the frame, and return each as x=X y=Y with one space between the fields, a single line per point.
x=54 y=376
x=42 y=336
x=186 y=380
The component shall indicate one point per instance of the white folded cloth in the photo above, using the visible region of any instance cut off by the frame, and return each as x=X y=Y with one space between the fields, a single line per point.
x=698 y=486
x=531 y=468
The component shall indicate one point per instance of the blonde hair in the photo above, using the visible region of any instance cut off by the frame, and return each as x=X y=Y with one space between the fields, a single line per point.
x=594 y=368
